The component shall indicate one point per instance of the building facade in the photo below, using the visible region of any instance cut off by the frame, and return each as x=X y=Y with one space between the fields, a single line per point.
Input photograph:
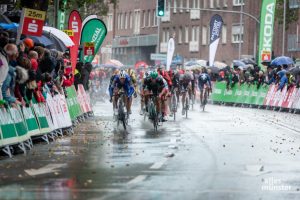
x=133 y=30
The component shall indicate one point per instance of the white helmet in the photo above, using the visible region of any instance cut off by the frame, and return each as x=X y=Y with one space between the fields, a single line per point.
x=123 y=74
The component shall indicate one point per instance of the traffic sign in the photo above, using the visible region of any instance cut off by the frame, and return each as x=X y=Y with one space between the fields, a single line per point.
x=158 y=56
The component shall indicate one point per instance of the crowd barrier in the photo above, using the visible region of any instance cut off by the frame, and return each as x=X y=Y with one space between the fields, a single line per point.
x=45 y=120
x=266 y=96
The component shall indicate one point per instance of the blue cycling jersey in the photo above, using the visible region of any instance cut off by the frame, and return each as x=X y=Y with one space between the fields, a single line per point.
x=203 y=79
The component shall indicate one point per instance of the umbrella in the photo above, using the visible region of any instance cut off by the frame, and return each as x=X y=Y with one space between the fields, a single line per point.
x=140 y=64
x=295 y=70
x=202 y=62
x=114 y=62
x=57 y=43
x=9 y=26
x=219 y=65
x=282 y=60
x=191 y=63
x=60 y=35
x=248 y=61
x=238 y=63
x=214 y=70
x=42 y=40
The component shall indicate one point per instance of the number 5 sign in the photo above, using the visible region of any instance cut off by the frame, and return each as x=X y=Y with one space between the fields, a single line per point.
x=32 y=21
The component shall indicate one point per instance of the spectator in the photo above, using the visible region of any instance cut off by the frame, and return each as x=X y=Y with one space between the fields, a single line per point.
x=47 y=63
x=9 y=82
x=77 y=74
x=3 y=70
x=282 y=79
x=33 y=56
x=86 y=74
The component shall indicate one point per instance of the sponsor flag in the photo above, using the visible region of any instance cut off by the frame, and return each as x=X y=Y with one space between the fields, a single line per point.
x=216 y=24
x=94 y=30
x=266 y=30
x=171 y=49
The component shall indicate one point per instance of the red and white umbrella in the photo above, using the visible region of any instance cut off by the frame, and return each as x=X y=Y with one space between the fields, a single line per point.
x=114 y=62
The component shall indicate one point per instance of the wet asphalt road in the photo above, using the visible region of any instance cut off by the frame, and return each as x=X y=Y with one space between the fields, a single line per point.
x=223 y=153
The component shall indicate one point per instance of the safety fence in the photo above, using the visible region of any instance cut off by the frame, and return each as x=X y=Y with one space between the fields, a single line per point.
x=266 y=96
x=18 y=126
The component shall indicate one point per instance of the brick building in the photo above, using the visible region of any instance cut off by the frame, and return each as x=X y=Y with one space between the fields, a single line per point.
x=135 y=36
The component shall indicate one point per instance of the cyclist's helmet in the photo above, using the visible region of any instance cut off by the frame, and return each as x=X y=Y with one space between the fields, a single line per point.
x=204 y=70
x=122 y=74
x=154 y=74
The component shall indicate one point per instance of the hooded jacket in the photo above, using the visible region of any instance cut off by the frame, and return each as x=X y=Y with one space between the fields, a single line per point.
x=9 y=85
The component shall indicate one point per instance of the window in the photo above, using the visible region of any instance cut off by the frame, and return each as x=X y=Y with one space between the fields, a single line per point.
x=118 y=22
x=144 y=18
x=211 y=4
x=238 y=2
x=130 y=20
x=149 y=18
x=195 y=34
x=175 y=6
x=196 y=4
x=181 y=5
x=137 y=21
x=237 y=33
x=204 y=4
x=180 y=35
x=126 y=21
x=204 y=35
x=154 y=18
x=224 y=34
x=225 y=3
x=187 y=5
x=109 y=22
x=186 y=34
x=217 y=3
x=122 y=22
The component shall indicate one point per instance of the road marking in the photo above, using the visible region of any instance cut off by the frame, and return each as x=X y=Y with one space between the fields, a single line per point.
x=45 y=170
x=158 y=165
x=137 y=179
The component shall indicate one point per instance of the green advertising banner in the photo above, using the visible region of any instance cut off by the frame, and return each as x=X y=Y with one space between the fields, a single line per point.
x=94 y=30
x=242 y=94
x=20 y=125
x=73 y=105
x=31 y=121
x=40 y=112
x=8 y=130
x=266 y=29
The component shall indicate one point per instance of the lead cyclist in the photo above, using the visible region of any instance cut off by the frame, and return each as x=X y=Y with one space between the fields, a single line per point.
x=204 y=80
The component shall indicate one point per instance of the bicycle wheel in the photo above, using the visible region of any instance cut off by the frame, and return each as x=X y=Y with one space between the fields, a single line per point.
x=174 y=106
x=153 y=115
x=121 y=113
x=204 y=100
x=186 y=106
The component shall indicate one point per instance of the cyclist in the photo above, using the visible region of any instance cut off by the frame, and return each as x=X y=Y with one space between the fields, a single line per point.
x=158 y=86
x=165 y=74
x=133 y=78
x=203 y=80
x=145 y=76
x=122 y=81
x=185 y=82
x=110 y=87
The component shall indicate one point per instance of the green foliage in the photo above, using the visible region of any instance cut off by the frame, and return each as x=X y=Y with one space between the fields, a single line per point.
x=291 y=14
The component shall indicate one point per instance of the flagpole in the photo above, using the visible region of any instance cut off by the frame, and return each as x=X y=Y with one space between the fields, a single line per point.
x=283 y=28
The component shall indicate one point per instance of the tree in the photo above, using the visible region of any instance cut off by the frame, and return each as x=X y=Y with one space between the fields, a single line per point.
x=291 y=14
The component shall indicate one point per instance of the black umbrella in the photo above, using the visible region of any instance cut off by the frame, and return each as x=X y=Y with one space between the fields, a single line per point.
x=295 y=70
x=57 y=43
x=214 y=70
x=248 y=61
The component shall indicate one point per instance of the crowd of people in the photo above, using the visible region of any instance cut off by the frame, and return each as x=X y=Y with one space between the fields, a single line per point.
x=281 y=75
x=29 y=71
